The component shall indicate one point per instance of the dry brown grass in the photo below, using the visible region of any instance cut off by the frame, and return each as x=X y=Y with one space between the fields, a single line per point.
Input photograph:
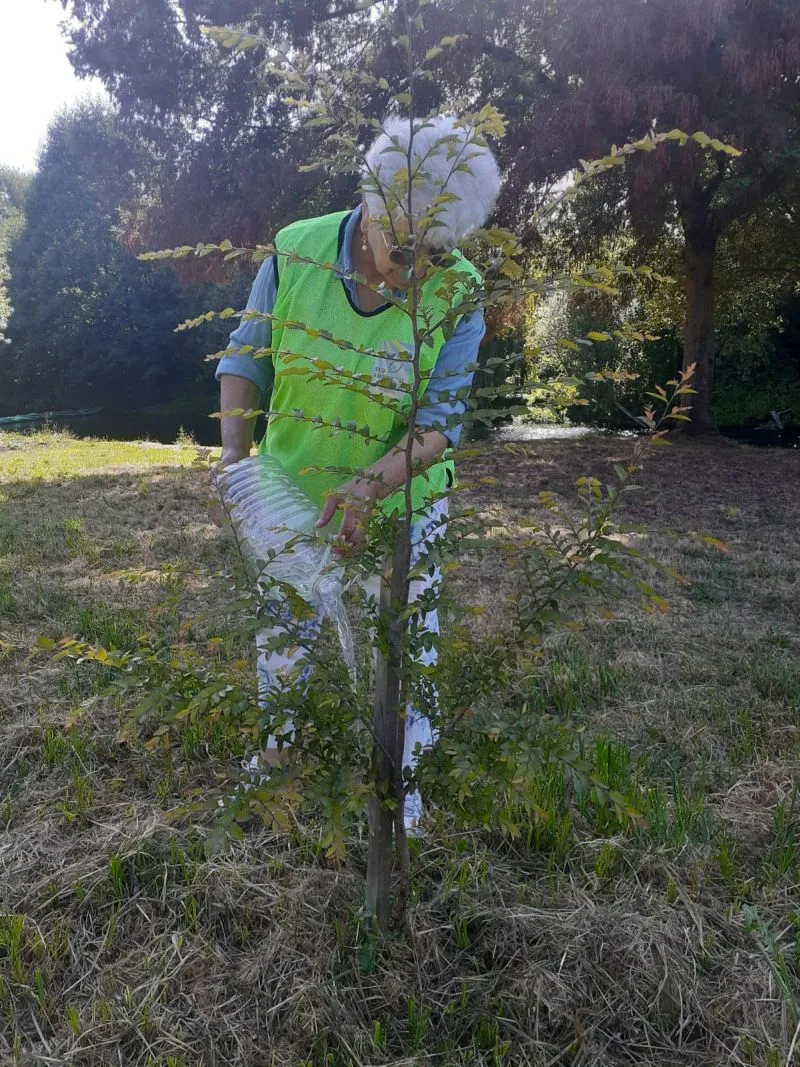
x=704 y=660
x=133 y=948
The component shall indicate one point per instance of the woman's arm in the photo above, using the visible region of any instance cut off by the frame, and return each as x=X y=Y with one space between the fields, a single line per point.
x=242 y=377
x=237 y=431
x=382 y=478
x=444 y=402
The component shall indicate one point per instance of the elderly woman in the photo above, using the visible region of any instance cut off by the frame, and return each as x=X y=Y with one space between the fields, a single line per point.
x=288 y=290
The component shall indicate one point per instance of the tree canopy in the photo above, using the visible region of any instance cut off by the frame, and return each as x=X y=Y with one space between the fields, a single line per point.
x=572 y=77
x=727 y=68
x=90 y=323
x=13 y=187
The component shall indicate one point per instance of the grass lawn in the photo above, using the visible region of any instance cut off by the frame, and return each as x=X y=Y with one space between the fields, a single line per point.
x=677 y=943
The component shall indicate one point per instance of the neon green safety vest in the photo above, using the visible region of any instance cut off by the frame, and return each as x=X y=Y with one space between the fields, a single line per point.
x=318 y=380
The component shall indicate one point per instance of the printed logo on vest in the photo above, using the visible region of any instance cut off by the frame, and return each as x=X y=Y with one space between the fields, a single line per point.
x=393 y=373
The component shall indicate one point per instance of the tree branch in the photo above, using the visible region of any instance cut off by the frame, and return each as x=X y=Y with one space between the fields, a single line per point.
x=719 y=177
x=525 y=68
x=754 y=194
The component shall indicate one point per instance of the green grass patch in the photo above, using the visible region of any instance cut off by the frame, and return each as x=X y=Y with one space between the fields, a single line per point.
x=775 y=674
x=51 y=455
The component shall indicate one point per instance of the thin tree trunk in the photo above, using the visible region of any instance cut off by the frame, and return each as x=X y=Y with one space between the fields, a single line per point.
x=699 y=341
x=389 y=733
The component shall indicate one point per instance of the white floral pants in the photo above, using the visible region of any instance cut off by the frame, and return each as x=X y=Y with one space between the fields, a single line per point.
x=275 y=668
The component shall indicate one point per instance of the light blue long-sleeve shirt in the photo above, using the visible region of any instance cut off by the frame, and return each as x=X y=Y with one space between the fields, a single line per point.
x=445 y=400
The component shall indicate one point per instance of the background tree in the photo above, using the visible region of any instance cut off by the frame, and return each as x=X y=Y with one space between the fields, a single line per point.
x=757 y=274
x=86 y=313
x=757 y=277
x=571 y=76
x=13 y=187
x=225 y=146
x=727 y=67
x=92 y=324
x=228 y=145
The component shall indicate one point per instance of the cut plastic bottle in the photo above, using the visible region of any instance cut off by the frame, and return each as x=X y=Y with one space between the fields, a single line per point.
x=273 y=520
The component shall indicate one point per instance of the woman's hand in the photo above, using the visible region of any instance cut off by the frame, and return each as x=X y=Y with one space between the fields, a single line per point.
x=356 y=499
x=216 y=512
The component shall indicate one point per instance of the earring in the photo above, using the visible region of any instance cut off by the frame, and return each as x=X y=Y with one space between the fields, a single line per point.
x=363 y=246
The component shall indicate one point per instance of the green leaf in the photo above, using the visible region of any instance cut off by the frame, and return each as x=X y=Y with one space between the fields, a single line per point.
x=652 y=596
x=403 y=42
x=432 y=53
x=511 y=269
x=715 y=542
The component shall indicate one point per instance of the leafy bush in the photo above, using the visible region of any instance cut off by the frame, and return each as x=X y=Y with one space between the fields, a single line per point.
x=555 y=331
x=758 y=371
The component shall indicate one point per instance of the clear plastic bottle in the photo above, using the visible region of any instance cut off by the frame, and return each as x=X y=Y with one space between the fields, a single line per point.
x=273 y=520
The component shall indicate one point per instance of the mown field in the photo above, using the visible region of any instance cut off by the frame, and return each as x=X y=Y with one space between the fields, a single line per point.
x=671 y=943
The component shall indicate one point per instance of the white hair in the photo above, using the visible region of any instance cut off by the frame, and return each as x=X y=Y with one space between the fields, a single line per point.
x=446 y=157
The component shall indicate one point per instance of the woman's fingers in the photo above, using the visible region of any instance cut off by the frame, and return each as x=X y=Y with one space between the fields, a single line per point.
x=329 y=509
x=351 y=533
x=349 y=529
x=355 y=506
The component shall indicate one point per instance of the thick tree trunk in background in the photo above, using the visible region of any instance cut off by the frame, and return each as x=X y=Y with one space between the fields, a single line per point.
x=699 y=343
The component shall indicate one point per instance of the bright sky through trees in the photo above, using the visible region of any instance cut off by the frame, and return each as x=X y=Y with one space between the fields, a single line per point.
x=36 y=78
